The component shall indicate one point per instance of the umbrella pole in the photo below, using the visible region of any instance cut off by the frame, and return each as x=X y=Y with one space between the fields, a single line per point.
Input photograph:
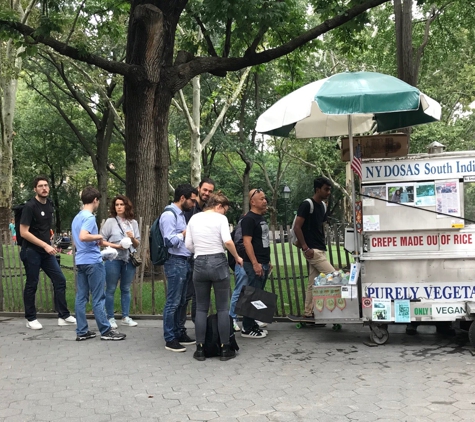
x=353 y=194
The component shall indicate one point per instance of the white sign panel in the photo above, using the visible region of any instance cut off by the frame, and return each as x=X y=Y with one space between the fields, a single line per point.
x=428 y=291
x=427 y=169
x=444 y=310
x=443 y=242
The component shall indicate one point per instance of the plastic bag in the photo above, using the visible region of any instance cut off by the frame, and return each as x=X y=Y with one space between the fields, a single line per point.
x=109 y=254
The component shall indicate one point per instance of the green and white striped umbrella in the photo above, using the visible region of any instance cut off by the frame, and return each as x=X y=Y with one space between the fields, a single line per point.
x=373 y=100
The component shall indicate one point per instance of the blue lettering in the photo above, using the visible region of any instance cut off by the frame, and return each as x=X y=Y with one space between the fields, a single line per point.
x=473 y=293
x=387 y=171
x=389 y=293
x=427 y=168
x=428 y=291
x=414 y=292
x=416 y=169
x=465 y=292
x=396 y=170
x=437 y=292
x=446 y=292
x=370 y=291
x=378 y=170
x=399 y=293
x=457 y=292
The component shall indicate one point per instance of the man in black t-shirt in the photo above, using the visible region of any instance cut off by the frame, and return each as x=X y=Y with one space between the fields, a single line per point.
x=255 y=236
x=311 y=236
x=37 y=253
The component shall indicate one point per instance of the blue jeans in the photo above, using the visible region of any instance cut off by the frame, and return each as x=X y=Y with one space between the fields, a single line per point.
x=240 y=277
x=91 y=277
x=249 y=324
x=125 y=271
x=33 y=262
x=178 y=272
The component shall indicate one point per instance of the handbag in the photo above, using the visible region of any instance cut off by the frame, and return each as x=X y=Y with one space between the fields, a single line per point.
x=250 y=303
x=134 y=257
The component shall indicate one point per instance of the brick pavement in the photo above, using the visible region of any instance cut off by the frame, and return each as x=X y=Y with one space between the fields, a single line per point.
x=311 y=374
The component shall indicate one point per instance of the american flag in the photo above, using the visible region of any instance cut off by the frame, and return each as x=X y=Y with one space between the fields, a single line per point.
x=356 y=165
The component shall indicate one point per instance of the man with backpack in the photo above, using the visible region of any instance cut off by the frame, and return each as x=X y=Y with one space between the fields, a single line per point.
x=177 y=267
x=308 y=228
x=37 y=253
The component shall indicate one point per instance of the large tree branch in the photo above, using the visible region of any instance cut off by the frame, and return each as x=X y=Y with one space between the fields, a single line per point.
x=178 y=76
x=132 y=71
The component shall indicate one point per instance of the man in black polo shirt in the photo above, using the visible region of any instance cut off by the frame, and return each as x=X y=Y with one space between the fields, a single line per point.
x=311 y=236
x=255 y=237
x=37 y=253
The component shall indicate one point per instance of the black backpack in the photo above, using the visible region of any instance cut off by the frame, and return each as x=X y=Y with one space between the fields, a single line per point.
x=158 y=250
x=18 y=210
x=212 y=346
x=236 y=236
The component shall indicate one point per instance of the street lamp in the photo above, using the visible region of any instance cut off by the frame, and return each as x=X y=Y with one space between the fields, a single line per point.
x=286 y=195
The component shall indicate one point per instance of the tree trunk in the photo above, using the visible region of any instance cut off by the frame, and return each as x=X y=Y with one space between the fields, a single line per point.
x=195 y=155
x=404 y=47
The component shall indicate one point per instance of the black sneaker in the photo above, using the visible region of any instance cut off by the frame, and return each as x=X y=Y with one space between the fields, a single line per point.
x=112 y=335
x=253 y=334
x=186 y=340
x=174 y=346
x=226 y=352
x=86 y=336
x=199 y=353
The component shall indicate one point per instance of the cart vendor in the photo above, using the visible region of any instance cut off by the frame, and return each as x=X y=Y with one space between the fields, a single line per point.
x=310 y=233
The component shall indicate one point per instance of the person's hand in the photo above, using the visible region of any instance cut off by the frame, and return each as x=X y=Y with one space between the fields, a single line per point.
x=258 y=269
x=50 y=250
x=130 y=234
x=309 y=253
x=183 y=233
x=239 y=261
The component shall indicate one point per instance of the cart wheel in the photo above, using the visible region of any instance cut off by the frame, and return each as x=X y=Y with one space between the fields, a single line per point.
x=379 y=336
x=471 y=334
x=300 y=325
x=336 y=327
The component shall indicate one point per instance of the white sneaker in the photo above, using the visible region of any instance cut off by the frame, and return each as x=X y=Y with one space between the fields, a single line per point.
x=34 y=325
x=261 y=324
x=113 y=323
x=236 y=327
x=128 y=321
x=70 y=320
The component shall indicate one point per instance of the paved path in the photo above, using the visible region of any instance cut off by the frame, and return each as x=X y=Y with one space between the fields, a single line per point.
x=311 y=374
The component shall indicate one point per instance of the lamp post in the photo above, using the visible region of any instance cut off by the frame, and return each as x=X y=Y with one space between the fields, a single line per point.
x=286 y=195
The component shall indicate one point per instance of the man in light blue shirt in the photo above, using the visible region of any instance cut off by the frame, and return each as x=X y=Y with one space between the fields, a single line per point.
x=91 y=274
x=177 y=267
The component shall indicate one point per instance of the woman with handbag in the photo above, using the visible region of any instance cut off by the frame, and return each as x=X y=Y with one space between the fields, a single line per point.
x=122 y=230
x=205 y=235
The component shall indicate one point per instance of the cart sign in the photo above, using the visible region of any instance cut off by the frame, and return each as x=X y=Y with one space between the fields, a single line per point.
x=422 y=241
x=445 y=310
x=422 y=169
x=429 y=291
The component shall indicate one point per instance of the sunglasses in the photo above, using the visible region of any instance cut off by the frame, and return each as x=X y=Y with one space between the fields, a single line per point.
x=259 y=190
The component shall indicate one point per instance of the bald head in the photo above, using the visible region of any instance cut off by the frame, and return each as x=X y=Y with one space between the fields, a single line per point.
x=258 y=201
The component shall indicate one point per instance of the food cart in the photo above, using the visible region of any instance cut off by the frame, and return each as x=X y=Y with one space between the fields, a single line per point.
x=416 y=260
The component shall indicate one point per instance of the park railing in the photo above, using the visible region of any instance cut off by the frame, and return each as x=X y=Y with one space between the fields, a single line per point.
x=288 y=278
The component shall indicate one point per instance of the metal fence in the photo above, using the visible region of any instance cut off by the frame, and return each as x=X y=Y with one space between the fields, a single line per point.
x=288 y=278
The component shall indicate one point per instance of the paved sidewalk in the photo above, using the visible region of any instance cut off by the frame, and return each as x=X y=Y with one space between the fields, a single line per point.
x=311 y=374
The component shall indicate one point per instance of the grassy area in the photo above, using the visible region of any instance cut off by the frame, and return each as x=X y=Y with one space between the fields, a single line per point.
x=149 y=298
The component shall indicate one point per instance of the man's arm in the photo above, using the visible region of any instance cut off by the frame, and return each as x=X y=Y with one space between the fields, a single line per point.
x=168 y=223
x=30 y=237
x=247 y=242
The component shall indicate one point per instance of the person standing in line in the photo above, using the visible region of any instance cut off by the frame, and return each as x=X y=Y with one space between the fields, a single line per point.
x=311 y=236
x=177 y=268
x=12 y=229
x=206 y=234
x=90 y=269
x=37 y=253
x=120 y=224
x=240 y=277
x=205 y=189
x=255 y=236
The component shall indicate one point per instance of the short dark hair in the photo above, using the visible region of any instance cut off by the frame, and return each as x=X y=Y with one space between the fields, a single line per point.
x=207 y=180
x=39 y=179
x=129 y=208
x=88 y=194
x=319 y=182
x=185 y=190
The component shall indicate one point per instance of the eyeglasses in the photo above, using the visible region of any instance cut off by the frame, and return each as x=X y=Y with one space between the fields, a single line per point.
x=259 y=190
